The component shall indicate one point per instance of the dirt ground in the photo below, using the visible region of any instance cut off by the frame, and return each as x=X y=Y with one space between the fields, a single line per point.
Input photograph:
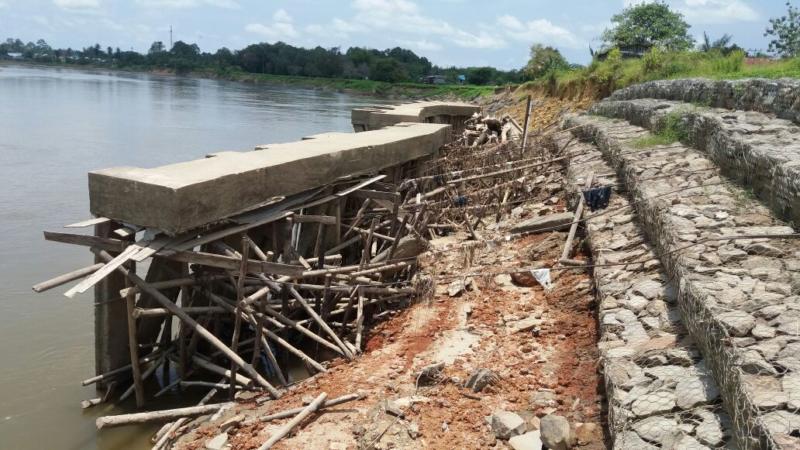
x=551 y=368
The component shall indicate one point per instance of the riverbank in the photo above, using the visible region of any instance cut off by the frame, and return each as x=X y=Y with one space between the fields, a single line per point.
x=399 y=91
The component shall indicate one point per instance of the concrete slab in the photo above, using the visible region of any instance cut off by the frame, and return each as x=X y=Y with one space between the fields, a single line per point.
x=187 y=195
x=454 y=113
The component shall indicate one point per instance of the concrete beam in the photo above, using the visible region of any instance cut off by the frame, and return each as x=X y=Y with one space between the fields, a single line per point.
x=454 y=113
x=187 y=195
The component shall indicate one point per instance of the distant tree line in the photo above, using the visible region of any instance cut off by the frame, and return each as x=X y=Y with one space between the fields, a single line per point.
x=392 y=65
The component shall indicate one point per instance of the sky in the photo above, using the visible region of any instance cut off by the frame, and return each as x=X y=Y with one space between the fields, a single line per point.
x=448 y=32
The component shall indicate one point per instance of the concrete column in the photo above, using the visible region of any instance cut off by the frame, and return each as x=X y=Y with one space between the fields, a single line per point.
x=110 y=315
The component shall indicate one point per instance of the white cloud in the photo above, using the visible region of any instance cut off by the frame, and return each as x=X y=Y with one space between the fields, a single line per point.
x=282 y=16
x=278 y=31
x=230 y=4
x=717 y=11
x=536 y=30
x=423 y=45
x=77 y=4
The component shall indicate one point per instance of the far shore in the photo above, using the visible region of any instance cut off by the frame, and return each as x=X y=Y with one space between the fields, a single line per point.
x=400 y=91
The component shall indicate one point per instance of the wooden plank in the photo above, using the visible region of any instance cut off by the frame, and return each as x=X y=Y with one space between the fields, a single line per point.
x=232 y=263
x=381 y=195
x=107 y=244
x=310 y=218
x=103 y=272
x=154 y=246
x=217 y=235
x=88 y=223
x=361 y=185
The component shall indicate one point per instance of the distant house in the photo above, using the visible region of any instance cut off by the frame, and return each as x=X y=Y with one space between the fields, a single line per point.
x=14 y=55
x=433 y=79
x=462 y=79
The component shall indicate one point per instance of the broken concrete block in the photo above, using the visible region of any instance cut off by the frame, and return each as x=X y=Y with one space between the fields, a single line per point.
x=506 y=424
x=528 y=441
x=560 y=221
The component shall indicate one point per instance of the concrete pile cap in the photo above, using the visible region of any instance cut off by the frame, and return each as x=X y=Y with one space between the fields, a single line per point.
x=411 y=112
x=183 y=196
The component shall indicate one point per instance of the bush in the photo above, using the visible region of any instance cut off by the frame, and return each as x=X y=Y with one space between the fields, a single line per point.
x=729 y=64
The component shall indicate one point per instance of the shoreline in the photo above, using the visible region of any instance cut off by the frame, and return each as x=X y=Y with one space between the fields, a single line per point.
x=380 y=89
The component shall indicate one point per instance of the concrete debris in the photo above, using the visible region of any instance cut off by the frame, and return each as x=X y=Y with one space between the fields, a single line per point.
x=506 y=424
x=218 y=442
x=528 y=441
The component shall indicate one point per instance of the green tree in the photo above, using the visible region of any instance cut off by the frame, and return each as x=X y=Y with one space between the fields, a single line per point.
x=785 y=31
x=480 y=75
x=722 y=45
x=647 y=25
x=156 y=47
x=544 y=60
x=386 y=69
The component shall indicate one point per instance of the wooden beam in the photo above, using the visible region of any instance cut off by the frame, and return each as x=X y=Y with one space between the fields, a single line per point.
x=107 y=244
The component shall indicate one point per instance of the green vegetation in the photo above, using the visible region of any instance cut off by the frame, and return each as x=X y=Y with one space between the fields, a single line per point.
x=670 y=130
x=397 y=71
x=649 y=25
x=786 y=32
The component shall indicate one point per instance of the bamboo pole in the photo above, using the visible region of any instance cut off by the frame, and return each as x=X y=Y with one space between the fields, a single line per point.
x=133 y=345
x=325 y=404
x=154 y=416
x=286 y=429
x=578 y=213
x=199 y=329
x=310 y=311
x=359 y=320
x=237 y=318
x=66 y=278
x=219 y=370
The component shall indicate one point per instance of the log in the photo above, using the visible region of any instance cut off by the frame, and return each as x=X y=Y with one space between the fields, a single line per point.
x=325 y=404
x=171 y=428
x=211 y=367
x=359 y=320
x=188 y=320
x=155 y=416
x=133 y=347
x=286 y=429
x=66 y=278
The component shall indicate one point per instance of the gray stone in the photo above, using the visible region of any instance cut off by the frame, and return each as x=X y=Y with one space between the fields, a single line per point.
x=649 y=289
x=680 y=441
x=762 y=331
x=528 y=441
x=630 y=440
x=738 y=323
x=790 y=384
x=781 y=422
x=653 y=403
x=552 y=222
x=556 y=433
x=709 y=431
x=655 y=428
x=506 y=424
x=695 y=390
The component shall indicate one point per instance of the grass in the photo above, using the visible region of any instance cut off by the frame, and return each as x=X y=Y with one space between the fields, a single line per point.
x=600 y=78
x=670 y=130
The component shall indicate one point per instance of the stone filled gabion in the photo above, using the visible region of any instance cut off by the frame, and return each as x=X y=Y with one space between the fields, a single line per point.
x=737 y=298
x=657 y=384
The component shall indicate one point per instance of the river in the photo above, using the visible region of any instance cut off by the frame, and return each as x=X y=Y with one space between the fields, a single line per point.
x=55 y=126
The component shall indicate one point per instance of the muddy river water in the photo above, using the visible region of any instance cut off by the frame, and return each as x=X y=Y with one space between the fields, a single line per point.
x=57 y=124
